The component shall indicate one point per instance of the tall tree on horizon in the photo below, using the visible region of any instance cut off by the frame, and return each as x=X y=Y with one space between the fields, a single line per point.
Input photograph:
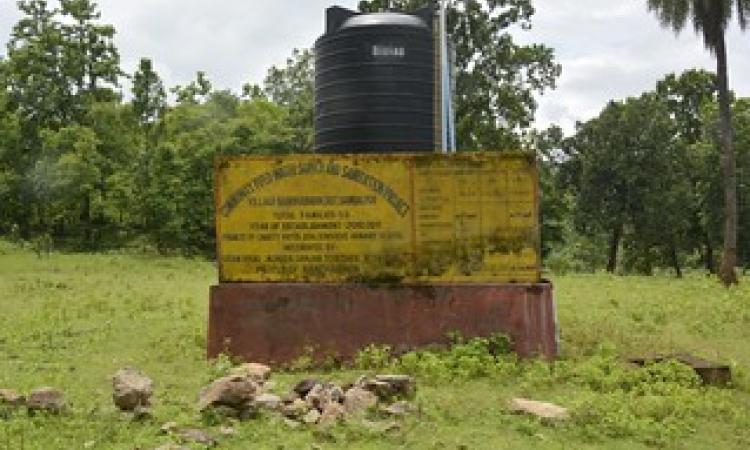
x=711 y=19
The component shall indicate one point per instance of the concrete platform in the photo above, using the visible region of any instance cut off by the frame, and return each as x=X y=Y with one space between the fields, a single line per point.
x=276 y=323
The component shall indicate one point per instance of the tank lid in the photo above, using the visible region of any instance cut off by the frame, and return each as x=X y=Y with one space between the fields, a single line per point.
x=338 y=18
x=385 y=18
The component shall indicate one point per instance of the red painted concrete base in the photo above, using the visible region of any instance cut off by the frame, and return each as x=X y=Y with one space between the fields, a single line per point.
x=276 y=323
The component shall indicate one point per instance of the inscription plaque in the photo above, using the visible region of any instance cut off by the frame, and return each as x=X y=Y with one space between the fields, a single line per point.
x=374 y=218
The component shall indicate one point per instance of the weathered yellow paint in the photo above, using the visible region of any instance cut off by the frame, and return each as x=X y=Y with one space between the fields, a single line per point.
x=370 y=218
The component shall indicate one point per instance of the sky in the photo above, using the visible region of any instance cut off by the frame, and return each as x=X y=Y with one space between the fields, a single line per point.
x=609 y=49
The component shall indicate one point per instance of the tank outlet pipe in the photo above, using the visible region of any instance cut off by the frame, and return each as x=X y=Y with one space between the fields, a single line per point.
x=447 y=112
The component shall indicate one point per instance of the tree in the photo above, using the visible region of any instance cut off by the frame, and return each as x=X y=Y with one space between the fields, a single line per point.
x=291 y=87
x=496 y=77
x=711 y=19
x=36 y=83
x=149 y=97
x=196 y=92
x=90 y=56
x=686 y=96
x=625 y=182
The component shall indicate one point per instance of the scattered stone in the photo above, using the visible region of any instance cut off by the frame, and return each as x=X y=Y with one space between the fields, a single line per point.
x=312 y=417
x=47 y=400
x=357 y=401
x=542 y=410
x=143 y=413
x=332 y=414
x=232 y=391
x=131 y=389
x=198 y=436
x=391 y=386
x=227 y=431
x=399 y=409
x=291 y=423
x=269 y=402
x=172 y=446
x=254 y=371
x=294 y=410
x=169 y=427
x=304 y=387
x=322 y=394
x=381 y=427
x=11 y=397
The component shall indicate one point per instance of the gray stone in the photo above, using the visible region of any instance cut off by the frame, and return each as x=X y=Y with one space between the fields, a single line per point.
x=542 y=410
x=312 y=417
x=291 y=423
x=227 y=431
x=46 y=400
x=332 y=414
x=11 y=397
x=381 y=427
x=172 y=446
x=295 y=410
x=131 y=389
x=259 y=373
x=399 y=409
x=268 y=402
x=390 y=386
x=198 y=437
x=357 y=401
x=322 y=394
x=169 y=427
x=304 y=387
x=232 y=391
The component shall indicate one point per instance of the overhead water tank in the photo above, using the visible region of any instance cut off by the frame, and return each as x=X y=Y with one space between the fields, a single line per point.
x=375 y=83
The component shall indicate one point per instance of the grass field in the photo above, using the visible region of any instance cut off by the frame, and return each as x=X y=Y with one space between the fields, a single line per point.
x=71 y=321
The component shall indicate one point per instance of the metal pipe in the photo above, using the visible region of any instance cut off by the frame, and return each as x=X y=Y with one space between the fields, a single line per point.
x=445 y=82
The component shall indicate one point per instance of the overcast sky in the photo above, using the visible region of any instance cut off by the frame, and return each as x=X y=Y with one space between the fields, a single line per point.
x=608 y=48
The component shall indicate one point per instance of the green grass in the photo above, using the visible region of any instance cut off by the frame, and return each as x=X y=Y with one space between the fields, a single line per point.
x=71 y=321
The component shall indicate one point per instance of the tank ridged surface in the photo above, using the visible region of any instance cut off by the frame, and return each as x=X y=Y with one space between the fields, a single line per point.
x=374 y=83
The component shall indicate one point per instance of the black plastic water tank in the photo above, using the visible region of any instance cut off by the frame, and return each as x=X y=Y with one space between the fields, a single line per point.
x=375 y=83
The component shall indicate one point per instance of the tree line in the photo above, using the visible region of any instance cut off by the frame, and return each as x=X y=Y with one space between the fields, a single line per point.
x=88 y=166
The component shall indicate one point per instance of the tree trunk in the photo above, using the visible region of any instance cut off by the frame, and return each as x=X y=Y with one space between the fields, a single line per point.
x=709 y=256
x=675 y=260
x=727 y=273
x=614 y=246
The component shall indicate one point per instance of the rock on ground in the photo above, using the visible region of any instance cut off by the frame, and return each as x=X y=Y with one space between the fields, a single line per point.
x=11 y=397
x=132 y=389
x=542 y=410
x=295 y=409
x=232 y=391
x=312 y=417
x=304 y=387
x=399 y=409
x=322 y=394
x=332 y=414
x=357 y=401
x=259 y=373
x=268 y=402
x=198 y=437
x=391 y=386
x=172 y=446
x=47 y=400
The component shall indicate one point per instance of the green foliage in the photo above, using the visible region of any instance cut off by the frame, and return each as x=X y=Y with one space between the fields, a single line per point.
x=292 y=88
x=374 y=357
x=68 y=322
x=497 y=78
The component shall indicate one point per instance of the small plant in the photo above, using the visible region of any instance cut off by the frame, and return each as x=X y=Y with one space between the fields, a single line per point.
x=220 y=367
x=374 y=357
